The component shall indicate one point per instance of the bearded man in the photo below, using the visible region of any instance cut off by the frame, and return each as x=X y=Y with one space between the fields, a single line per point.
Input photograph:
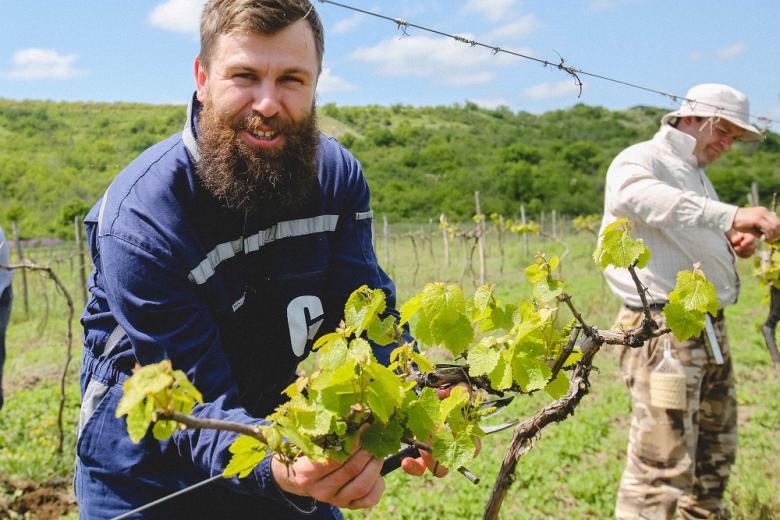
x=227 y=249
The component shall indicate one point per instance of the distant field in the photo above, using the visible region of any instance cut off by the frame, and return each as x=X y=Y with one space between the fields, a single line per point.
x=571 y=473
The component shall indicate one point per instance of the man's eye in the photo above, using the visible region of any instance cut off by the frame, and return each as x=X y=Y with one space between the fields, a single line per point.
x=292 y=79
x=243 y=75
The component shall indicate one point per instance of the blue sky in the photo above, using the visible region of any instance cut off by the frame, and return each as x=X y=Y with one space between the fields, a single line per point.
x=142 y=51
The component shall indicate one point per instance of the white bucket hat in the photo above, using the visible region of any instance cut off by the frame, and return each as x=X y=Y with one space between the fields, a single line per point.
x=722 y=101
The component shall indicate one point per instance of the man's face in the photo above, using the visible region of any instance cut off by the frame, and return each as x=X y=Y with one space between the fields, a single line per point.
x=713 y=137
x=258 y=135
x=261 y=75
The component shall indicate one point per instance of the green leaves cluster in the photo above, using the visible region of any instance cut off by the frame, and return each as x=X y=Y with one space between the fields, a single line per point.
x=767 y=266
x=617 y=248
x=151 y=389
x=443 y=319
x=691 y=298
x=352 y=400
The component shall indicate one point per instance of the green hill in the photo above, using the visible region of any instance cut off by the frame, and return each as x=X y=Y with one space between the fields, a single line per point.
x=56 y=159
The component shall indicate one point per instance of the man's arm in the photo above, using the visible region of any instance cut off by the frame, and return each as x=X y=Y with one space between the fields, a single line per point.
x=757 y=221
x=637 y=193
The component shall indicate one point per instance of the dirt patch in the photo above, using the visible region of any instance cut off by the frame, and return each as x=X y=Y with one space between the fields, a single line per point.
x=47 y=501
x=26 y=381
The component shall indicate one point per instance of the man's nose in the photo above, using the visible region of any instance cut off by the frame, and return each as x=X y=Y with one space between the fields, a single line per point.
x=266 y=102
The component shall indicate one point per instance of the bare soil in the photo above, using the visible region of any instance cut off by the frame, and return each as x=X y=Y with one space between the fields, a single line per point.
x=47 y=501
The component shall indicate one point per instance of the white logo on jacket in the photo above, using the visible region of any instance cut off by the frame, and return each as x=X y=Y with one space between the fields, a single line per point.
x=304 y=317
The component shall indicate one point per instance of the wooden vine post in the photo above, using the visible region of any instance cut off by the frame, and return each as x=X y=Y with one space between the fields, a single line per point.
x=386 y=241
x=480 y=238
x=446 y=239
x=80 y=250
x=525 y=235
x=20 y=255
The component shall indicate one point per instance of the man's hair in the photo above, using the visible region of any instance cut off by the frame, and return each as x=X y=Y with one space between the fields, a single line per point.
x=258 y=16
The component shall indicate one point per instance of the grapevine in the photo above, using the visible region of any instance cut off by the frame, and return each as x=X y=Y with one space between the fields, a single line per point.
x=351 y=398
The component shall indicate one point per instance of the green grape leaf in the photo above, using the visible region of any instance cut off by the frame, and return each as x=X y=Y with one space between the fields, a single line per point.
x=548 y=290
x=617 y=248
x=421 y=361
x=454 y=336
x=382 y=331
x=380 y=440
x=138 y=420
x=410 y=308
x=311 y=419
x=501 y=318
x=574 y=358
x=558 y=387
x=482 y=359
x=325 y=340
x=644 y=258
x=362 y=308
x=453 y=452
x=536 y=272
x=448 y=406
x=186 y=388
x=361 y=352
x=164 y=429
x=684 y=324
x=694 y=292
x=483 y=303
x=149 y=379
x=345 y=373
x=529 y=371
x=303 y=441
x=424 y=413
x=501 y=376
x=247 y=454
x=384 y=392
x=333 y=354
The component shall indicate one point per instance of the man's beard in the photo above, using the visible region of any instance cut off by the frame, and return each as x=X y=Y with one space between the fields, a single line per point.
x=245 y=177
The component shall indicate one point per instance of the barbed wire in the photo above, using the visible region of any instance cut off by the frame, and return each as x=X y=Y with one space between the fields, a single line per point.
x=574 y=72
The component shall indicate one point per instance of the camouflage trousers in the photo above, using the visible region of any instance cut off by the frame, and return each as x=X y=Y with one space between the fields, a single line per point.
x=678 y=459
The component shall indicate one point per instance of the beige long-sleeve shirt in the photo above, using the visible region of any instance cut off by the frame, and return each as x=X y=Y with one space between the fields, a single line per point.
x=673 y=208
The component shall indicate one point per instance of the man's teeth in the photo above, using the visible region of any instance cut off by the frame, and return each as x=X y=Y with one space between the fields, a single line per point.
x=264 y=135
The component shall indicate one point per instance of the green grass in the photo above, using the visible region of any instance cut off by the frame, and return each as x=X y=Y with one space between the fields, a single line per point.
x=573 y=470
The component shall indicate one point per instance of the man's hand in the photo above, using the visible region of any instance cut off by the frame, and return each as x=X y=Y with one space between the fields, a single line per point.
x=744 y=244
x=354 y=484
x=757 y=221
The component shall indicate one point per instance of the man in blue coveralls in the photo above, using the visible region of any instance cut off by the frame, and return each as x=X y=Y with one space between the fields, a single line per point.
x=227 y=249
x=6 y=296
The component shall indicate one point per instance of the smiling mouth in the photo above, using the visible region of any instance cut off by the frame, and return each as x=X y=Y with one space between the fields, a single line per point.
x=267 y=136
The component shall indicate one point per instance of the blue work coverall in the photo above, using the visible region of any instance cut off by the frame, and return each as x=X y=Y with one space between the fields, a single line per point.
x=234 y=299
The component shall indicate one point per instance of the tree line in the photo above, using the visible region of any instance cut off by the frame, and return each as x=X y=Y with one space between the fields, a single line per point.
x=56 y=159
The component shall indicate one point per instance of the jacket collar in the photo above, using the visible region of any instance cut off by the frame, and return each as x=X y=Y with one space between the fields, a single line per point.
x=190 y=133
x=679 y=144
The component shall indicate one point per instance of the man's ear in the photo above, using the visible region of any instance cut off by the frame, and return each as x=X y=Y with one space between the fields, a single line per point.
x=200 y=79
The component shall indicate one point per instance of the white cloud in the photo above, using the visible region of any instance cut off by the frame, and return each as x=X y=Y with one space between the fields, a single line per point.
x=551 y=90
x=180 y=16
x=490 y=104
x=42 y=64
x=732 y=50
x=491 y=9
x=346 y=24
x=517 y=29
x=329 y=82
x=448 y=61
